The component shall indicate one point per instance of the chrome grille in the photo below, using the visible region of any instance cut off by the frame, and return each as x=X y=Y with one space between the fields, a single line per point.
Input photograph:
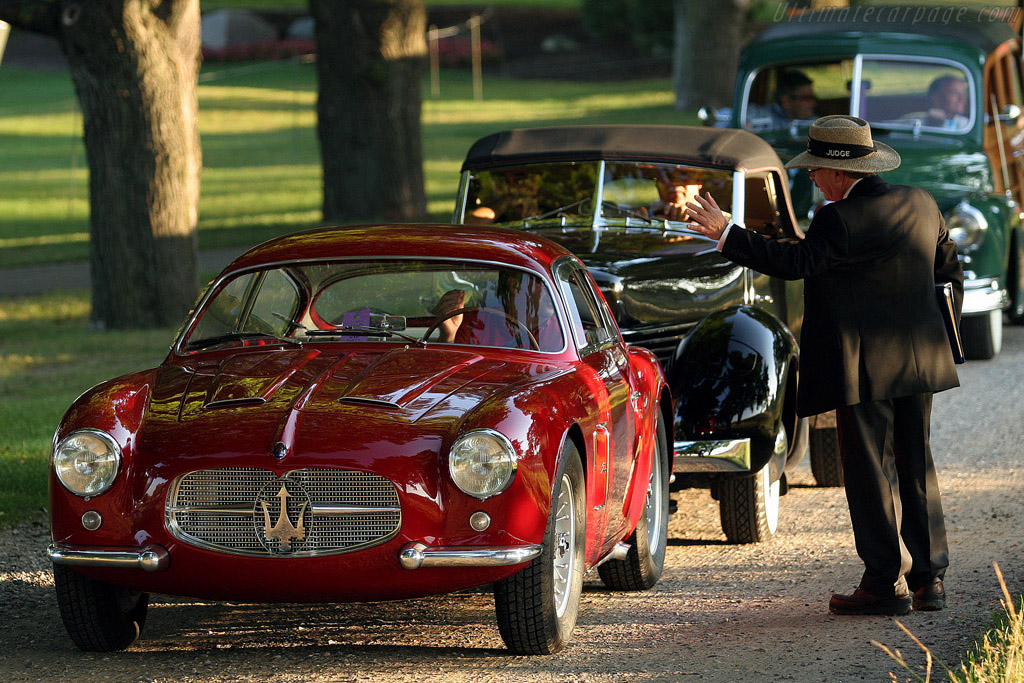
x=661 y=340
x=221 y=509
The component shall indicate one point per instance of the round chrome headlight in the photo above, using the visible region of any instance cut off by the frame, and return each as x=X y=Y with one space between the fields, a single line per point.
x=966 y=226
x=86 y=461
x=482 y=463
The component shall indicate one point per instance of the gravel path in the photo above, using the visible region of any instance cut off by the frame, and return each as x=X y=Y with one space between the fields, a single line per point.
x=720 y=613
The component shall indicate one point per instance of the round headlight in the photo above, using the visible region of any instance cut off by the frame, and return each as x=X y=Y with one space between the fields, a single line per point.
x=966 y=226
x=482 y=463
x=86 y=462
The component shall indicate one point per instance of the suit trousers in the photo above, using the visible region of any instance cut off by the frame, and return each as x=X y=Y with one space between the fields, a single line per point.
x=893 y=492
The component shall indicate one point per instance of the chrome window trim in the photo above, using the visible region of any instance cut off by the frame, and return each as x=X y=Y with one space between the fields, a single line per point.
x=922 y=59
x=855 y=78
x=215 y=286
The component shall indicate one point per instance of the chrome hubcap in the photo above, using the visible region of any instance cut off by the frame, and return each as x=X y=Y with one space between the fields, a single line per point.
x=652 y=506
x=565 y=544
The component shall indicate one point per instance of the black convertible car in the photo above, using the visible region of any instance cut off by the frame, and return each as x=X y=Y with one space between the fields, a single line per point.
x=615 y=196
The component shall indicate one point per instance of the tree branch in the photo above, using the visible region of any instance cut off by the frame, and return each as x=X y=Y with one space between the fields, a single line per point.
x=38 y=16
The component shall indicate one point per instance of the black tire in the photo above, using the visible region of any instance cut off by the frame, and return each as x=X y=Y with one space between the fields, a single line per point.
x=749 y=507
x=532 y=618
x=99 y=617
x=1015 y=280
x=982 y=335
x=826 y=464
x=642 y=567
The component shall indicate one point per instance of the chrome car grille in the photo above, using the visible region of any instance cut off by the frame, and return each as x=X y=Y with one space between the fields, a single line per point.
x=304 y=513
x=662 y=340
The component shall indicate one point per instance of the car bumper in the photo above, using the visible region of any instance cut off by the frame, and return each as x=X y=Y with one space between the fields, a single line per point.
x=722 y=455
x=152 y=558
x=377 y=573
x=984 y=295
x=417 y=555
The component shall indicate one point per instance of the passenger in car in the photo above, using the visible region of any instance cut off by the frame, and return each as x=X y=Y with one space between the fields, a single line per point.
x=948 y=104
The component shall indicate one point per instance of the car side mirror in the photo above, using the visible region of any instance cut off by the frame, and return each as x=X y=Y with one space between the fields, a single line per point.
x=1010 y=113
x=716 y=118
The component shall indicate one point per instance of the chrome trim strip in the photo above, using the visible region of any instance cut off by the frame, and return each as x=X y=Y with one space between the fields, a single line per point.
x=723 y=455
x=417 y=555
x=982 y=296
x=329 y=510
x=152 y=558
x=340 y=510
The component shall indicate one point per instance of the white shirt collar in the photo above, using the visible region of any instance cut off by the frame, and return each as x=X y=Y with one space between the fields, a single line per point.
x=847 y=193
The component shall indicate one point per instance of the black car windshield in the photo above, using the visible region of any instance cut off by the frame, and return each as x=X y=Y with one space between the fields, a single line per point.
x=888 y=91
x=439 y=302
x=569 y=193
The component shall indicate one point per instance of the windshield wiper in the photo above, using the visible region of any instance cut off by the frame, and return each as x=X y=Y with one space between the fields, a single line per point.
x=237 y=336
x=626 y=212
x=362 y=331
x=554 y=212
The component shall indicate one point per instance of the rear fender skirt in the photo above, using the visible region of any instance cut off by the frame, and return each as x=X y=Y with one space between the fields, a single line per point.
x=728 y=379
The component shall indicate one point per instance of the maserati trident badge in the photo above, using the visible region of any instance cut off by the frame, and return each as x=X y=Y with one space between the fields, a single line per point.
x=278 y=532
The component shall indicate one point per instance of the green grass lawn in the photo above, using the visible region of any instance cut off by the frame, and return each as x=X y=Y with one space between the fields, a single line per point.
x=261 y=174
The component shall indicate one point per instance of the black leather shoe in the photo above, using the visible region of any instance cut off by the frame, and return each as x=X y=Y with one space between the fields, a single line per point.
x=862 y=602
x=930 y=597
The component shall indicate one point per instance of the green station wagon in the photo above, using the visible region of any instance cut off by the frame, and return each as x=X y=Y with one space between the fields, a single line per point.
x=941 y=87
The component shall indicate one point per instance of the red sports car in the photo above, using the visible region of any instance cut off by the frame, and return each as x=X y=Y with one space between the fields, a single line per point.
x=371 y=413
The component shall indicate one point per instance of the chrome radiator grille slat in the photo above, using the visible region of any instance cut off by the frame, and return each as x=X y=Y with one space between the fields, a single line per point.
x=662 y=341
x=232 y=509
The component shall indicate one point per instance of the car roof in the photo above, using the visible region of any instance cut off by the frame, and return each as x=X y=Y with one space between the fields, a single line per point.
x=512 y=247
x=720 y=147
x=962 y=24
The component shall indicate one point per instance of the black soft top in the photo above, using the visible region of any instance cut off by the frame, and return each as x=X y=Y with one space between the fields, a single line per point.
x=960 y=23
x=716 y=147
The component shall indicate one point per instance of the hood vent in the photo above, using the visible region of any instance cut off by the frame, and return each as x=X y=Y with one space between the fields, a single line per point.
x=352 y=400
x=234 y=402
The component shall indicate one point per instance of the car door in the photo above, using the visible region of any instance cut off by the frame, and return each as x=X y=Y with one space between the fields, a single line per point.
x=1004 y=126
x=606 y=365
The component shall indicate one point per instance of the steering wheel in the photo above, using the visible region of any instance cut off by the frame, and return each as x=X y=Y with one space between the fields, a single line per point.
x=474 y=309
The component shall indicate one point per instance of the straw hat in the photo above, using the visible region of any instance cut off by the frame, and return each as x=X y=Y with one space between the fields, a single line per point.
x=844 y=143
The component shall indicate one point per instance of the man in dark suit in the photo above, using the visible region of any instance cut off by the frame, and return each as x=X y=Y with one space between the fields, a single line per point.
x=873 y=347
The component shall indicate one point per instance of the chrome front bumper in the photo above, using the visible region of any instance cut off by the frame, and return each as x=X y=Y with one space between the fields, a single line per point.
x=724 y=455
x=152 y=558
x=984 y=295
x=417 y=555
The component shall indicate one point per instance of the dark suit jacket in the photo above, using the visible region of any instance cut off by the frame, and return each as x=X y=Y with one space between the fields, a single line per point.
x=872 y=328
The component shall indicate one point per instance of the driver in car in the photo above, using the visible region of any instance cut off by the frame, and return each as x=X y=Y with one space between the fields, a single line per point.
x=675 y=190
x=494 y=326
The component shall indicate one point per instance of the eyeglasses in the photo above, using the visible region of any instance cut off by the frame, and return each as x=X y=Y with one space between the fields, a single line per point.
x=812 y=171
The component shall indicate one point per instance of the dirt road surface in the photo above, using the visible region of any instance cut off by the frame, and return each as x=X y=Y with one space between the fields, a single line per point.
x=720 y=613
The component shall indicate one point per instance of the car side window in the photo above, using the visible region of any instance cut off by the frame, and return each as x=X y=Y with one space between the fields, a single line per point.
x=589 y=327
x=275 y=305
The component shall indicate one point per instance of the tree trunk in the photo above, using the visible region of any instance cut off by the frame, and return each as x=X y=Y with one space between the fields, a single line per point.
x=371 y=56
x=134 y=65
x=709 y=34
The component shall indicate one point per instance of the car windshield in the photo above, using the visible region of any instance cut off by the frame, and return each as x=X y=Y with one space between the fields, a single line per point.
x=426 y=302
x=890 y=92
x=590 y=193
